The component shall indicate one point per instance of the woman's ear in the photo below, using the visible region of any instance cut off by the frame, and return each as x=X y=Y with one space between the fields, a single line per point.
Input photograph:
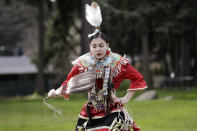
x=107 y=44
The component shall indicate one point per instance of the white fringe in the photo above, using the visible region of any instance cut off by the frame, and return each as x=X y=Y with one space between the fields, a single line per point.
x=117 y=70
x=59 y=111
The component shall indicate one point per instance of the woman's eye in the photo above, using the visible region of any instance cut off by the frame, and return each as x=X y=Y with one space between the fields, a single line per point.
x=101 y=45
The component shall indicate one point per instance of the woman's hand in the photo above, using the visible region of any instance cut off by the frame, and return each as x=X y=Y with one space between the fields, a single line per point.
x=55 y=93
x=122 y=101
x=51 y=93
x=116 y=99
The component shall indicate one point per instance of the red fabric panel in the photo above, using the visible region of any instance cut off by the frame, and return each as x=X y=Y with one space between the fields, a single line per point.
x=129 y=72
x=73 y=72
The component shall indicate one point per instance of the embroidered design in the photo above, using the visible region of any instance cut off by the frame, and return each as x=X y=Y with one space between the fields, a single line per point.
x=109 y=66
x=112 y=59
x=124 y=121
x=98 y=98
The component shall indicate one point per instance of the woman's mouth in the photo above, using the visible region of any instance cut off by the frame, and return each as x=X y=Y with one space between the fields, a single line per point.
x=99 y=54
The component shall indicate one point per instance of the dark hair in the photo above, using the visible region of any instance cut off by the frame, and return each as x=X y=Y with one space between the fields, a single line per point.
x=100 y=35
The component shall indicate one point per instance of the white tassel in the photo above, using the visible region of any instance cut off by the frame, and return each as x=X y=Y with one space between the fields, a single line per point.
x=93 y=14
x=56 y=110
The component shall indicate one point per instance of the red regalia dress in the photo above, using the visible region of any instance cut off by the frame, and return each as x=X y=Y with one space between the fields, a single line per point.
x=118 y=117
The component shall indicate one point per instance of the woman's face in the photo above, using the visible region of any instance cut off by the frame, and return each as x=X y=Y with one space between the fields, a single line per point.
x=98 y=48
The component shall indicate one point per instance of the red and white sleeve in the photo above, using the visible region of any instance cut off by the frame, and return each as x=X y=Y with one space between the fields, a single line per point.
x=137 y=80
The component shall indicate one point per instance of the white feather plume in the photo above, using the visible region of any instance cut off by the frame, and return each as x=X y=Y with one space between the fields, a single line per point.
x=93 y=14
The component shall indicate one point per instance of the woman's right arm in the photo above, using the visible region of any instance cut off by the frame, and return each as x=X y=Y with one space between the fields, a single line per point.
x=61 y=90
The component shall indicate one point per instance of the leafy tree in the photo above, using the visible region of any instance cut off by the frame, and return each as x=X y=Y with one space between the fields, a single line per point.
x=63 y=37
x=15 y=17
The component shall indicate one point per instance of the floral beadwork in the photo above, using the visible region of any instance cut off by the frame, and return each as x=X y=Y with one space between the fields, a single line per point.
x=112 y=59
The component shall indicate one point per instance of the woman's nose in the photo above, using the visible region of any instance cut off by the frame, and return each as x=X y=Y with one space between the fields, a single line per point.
x=97 y=48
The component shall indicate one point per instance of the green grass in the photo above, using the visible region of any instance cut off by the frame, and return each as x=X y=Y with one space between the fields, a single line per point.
x=29 y=114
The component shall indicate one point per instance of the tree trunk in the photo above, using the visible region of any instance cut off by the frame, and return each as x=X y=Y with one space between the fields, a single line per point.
x=196 y=39
x=146 y=62
x=41 y=31
x=185 y=58
x=86 y=28
x=195 y=57
x=177 y=59
x=167 y=64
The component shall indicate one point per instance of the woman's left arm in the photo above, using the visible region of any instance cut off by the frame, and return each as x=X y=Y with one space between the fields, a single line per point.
x=137 y=83
x=127 y=97
x=124 y=99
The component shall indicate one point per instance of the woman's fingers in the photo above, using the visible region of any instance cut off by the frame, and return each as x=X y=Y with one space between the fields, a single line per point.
x=58 y=91
x=51 y=93
x=119 y=100
x=115 y=99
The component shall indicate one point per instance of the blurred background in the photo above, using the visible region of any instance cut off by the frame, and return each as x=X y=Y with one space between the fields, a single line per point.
x=39 y=38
